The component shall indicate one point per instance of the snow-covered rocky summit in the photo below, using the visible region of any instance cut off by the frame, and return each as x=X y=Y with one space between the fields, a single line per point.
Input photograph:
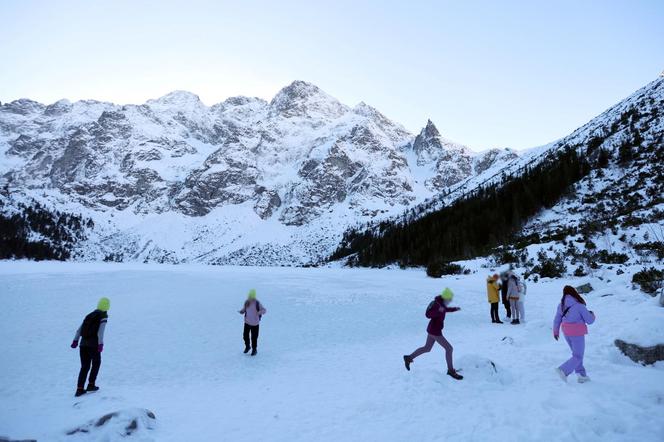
x=174 y=179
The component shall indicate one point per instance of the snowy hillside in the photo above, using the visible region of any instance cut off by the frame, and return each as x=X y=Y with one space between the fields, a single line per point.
x=329 y=365
x=591 y=199
x=242 y=181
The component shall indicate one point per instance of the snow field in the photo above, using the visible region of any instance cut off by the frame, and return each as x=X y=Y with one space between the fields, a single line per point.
x=329 y=365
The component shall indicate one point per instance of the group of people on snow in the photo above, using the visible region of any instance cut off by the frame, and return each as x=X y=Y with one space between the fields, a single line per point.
x=511 y=289
x=571 y=316
x=91 y=336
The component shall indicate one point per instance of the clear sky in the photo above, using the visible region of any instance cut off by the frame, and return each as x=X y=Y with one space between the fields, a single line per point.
x=488 y=73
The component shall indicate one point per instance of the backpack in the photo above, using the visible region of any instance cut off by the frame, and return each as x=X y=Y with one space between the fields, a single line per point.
x=90 y=326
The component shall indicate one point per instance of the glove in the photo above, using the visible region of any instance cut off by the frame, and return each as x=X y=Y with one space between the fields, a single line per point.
x=74 y=343
x=100 y=348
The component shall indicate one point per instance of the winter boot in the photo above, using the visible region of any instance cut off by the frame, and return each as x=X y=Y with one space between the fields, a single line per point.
x=454 y=374
x=407 y=360
x=582 y=379
x=499 y=322
x=92 y=387
x=246 y=349
x=513 y=322
x=562 y=374
x=253 y=352
x=80 y=392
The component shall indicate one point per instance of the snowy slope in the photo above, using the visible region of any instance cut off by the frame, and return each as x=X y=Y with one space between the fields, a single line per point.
x=175 y=180
x=329 y=366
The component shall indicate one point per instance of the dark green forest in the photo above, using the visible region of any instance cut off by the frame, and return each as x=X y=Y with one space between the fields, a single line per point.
x=37 y=233
x=474 y=225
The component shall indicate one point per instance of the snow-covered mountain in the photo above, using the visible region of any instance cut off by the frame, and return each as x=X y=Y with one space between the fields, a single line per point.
x=243 y=181
x=584 y=197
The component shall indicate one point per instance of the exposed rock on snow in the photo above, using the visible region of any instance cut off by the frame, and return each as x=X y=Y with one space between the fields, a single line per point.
x=584 y=288
x=124 y=423
x=642 y=355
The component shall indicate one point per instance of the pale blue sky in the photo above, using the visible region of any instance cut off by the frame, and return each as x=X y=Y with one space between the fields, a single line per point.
x=488 y=73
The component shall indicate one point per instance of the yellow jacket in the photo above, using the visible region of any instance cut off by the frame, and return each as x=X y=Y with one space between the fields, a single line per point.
x=492 y=289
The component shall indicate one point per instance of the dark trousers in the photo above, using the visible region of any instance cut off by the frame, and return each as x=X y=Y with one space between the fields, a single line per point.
x=253 y=331
x=90 y=356
x=506 y=303
x=494 y=311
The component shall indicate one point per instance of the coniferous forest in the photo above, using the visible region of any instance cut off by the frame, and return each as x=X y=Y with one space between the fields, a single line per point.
x=474 y=225
x=37 y=233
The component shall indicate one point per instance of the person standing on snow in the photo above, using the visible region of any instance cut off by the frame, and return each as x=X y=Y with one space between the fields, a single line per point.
x=521 y=305
x=573 y=316
x=253 y=311
x=513 y=295
x=91 y=334
x=492 y=291
x=436 y=313
x=503 y=292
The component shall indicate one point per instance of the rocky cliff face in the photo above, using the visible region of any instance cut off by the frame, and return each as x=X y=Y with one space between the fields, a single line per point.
x=301 y=163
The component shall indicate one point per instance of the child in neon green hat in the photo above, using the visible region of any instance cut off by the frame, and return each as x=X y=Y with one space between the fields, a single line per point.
x=436 y=312
x=91 y=334
x=253 y=311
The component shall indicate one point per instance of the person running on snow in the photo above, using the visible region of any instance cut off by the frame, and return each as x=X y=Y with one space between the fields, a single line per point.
x=436 y=313
x=573 y=316
x=91 y=334
x=503 y=292
x=492 y=291
x=513 y=295
x=253 y=311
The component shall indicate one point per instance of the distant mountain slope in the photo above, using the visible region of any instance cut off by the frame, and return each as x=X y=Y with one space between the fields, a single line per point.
x=605 y=176
x=244 y=181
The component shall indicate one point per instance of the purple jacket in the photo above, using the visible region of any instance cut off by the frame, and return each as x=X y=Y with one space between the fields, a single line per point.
x=575 y=319
x=436 y=313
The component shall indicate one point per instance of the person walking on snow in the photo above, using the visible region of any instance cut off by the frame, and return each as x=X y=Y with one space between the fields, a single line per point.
x=573 y=316
x=436 y=312
x=91 y=334
x=503 y=293
x=492 y=291
x=513 y=295
x=253 y=311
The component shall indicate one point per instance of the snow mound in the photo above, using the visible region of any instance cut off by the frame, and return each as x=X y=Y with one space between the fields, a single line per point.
x=478 y=368
x=125 y=423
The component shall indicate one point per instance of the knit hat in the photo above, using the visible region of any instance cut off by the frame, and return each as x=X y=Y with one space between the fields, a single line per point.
x=252 y=294
x=104 y=304
x=447 y=294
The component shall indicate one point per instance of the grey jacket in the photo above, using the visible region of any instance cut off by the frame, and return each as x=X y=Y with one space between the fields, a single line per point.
x=252 y=313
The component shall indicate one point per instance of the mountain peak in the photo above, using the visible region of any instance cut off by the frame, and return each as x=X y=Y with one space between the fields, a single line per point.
x=301 y=98
x=430 y=130
x=177 y=98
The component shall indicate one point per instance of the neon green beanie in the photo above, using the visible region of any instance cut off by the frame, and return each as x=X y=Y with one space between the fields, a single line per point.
x=447 y=294
x=104 y=304
x=252 y=294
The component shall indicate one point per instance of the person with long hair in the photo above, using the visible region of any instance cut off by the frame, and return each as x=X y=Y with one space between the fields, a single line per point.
x=573 y=316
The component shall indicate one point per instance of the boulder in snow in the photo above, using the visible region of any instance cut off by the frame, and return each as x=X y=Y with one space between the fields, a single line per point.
x=123 y=422
x=642 y=355
x=584 y=288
